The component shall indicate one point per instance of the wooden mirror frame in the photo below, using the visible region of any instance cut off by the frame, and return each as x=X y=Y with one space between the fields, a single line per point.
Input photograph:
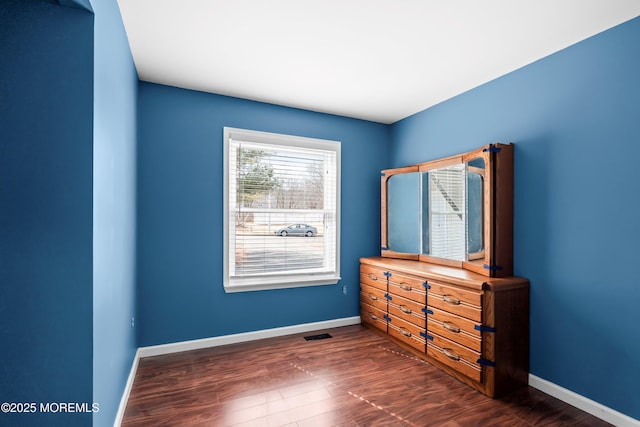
x=497 y=210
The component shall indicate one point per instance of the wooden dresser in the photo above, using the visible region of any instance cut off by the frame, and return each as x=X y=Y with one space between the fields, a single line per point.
x=474 y=327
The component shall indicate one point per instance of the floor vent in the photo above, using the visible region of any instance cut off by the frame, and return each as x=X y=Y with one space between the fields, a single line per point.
x=317 y=337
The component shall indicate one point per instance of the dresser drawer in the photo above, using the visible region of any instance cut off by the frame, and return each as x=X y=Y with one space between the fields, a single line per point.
x=463 y=302
x=407 y=309
x=410 y=287
x=407 y=332
x=373 y=276
x=455 y=356
x=373 y=316
x=373 y=296
x=455 y=328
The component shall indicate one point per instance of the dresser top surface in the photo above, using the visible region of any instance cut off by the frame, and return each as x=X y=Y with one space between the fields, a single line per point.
x=447 y=274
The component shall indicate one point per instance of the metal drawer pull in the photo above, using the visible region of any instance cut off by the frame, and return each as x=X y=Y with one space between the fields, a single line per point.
x=373 y=316
x=405 y=287
x=405 y=309
x=405 y=332
x=372 y=277
x=449 y=300
x=450 y=354
x=451 y=327
x=373 y=297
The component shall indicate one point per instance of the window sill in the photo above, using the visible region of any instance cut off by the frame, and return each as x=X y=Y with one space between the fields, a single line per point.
x=262 y=284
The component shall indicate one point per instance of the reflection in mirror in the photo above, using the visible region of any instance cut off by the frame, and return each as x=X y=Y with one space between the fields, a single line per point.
x=477 y=163
x=474 y=215
x=424 y=213
x=403 y=212
x=447 y=212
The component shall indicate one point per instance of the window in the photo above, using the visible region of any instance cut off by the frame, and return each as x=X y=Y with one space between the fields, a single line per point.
x=282 y=211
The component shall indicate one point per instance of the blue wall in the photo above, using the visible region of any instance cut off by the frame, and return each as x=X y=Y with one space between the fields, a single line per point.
x=575 y=120
x=114 y=203
x=180 y=247
x=46 y=109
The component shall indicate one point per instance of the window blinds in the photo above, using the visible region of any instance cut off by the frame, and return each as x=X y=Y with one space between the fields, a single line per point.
x=281 y=187
x=447 y=212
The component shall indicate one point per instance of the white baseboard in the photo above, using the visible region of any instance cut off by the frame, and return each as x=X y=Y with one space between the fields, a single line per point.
x=127 y=390
x=592 y=407
x=157 y=350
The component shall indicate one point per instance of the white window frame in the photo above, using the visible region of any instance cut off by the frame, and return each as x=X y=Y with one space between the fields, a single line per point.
x=279 y=281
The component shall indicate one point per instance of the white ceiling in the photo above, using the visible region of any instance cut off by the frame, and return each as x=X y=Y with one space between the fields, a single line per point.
x=379 y=60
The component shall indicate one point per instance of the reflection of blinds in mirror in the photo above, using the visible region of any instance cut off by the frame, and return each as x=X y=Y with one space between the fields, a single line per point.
x=447 y=212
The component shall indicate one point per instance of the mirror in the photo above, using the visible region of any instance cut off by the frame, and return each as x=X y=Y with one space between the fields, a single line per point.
x=446 y=212
x=441 y=211
x=475 y=216
x=444 y=205
x=403 y=207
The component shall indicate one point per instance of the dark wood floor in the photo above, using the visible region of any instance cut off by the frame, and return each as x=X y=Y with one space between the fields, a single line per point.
x=355 y=378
